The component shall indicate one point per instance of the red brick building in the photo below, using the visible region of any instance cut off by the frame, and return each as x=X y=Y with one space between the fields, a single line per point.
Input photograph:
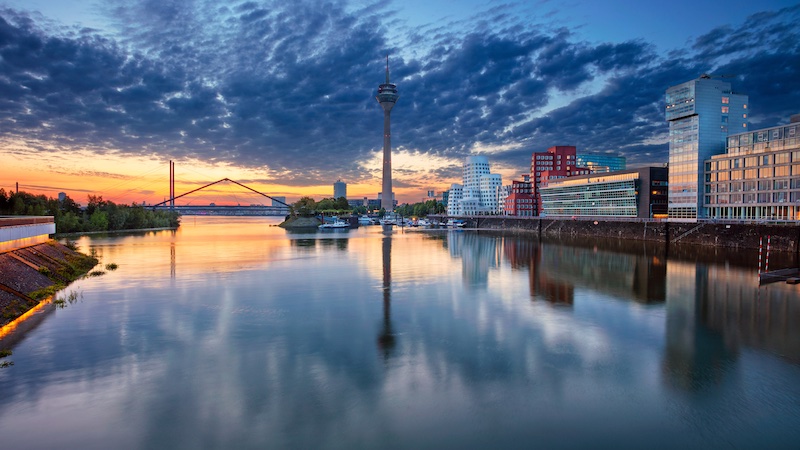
x=557 y=162
x=520 y=201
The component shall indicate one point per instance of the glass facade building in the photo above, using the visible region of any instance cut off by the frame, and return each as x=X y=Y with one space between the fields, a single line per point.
x=758 y=178
x=701 y=113
x=640 y=193
x=601 y=163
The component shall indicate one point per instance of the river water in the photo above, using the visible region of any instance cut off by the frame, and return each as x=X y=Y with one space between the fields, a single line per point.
x=233 y=333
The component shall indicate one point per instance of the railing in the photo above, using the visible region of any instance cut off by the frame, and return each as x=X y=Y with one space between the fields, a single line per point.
x=16 y=221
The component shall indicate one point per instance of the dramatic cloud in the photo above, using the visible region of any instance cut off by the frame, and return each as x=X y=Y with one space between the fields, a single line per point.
x=289 y=87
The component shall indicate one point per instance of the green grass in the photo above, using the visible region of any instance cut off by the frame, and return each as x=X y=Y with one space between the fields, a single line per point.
x=5 y=352
x=111 y=266
x=96 y=273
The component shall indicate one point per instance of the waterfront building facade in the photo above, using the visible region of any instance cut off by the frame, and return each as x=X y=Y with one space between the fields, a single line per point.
x=455 y=194
x=557 y=162
x=601 y=162
x=479 y=192
x=339 y=189
x=758 y=177
x=701 y=113
x=520 y=201
x=634 y=193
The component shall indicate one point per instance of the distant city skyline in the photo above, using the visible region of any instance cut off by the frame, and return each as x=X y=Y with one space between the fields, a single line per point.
x=99 y=96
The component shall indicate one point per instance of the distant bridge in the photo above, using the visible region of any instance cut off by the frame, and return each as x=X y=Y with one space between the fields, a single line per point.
x=214 y=210
x=238 y=210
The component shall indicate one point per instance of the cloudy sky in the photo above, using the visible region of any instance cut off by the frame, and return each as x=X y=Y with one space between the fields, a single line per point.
x=96 y=97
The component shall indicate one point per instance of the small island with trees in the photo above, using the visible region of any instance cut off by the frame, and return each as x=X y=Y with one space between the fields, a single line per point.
x=306 y=213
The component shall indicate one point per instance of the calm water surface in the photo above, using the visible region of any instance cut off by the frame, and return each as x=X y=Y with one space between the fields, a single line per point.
x=231 y=333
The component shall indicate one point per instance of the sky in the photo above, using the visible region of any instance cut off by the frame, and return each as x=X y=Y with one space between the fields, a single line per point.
x=96 y=97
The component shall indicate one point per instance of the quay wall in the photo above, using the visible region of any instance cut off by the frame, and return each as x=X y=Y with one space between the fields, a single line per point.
x=783 y=237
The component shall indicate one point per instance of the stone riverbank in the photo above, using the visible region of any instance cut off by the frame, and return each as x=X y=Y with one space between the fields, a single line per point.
x=32 y=274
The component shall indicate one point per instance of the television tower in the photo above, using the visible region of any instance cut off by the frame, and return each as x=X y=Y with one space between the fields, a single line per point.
x=387 y=97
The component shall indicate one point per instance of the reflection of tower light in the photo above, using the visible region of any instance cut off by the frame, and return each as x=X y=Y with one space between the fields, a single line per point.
x=386 y=339
x=387 y=97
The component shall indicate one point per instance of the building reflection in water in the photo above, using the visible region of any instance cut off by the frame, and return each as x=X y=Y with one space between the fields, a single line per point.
x=556 y=270
x=386 y=338
x=712 y=311
x=478 y=254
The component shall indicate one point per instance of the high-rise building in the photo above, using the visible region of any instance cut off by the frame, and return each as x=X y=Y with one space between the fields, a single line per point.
x=557 y=162
x=339 y=189
x=387 y=97
x=600 y=162
x=701 y=113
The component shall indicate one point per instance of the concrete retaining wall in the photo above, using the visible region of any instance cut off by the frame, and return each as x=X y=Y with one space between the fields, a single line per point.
x=737 y=236
x=17 y=236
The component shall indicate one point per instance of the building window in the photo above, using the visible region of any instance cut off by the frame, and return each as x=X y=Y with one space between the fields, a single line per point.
x=724 y=110
x=726 y=100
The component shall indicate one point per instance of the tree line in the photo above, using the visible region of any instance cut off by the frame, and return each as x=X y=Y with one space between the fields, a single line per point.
x=307 y=206
x=99 y=214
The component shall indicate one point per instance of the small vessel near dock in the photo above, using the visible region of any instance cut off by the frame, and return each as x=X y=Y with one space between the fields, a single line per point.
x=337 y=224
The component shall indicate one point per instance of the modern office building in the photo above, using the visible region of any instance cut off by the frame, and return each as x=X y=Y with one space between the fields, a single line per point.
x=339 y=189
x=490 y=190
x=455 y=194
x=372 y=204
x=557 y=162
x=279 y=202
x=758 y=177
x=479 y=192
x=601 y=162
x=640 y=193
x=701 y=113
x=520 y=201
x=387 y=97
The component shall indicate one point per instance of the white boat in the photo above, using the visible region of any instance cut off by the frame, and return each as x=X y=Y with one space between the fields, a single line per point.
x=366 y=220
x=455 y=223
x=389 y=219
x=336 y=224
x=423 y=223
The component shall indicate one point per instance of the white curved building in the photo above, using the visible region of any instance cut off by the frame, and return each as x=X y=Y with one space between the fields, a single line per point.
x=479 y=192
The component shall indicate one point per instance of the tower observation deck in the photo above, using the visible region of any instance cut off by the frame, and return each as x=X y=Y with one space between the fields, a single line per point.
x=387 y=97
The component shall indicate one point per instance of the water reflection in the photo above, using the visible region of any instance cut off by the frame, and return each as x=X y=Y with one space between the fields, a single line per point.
x=714 y=311
x=278 y=349
x=386 y=338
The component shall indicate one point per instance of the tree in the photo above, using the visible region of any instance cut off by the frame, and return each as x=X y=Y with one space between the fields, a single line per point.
x=304 y=207
x=326 y=204
x=341 y=204
x=98 y=221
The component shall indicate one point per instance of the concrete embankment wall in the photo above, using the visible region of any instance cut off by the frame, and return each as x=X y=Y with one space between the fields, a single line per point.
x=28 y=274
x=739 y=236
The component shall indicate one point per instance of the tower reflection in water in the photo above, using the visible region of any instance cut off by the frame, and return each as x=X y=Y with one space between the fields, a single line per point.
x=386 y=338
